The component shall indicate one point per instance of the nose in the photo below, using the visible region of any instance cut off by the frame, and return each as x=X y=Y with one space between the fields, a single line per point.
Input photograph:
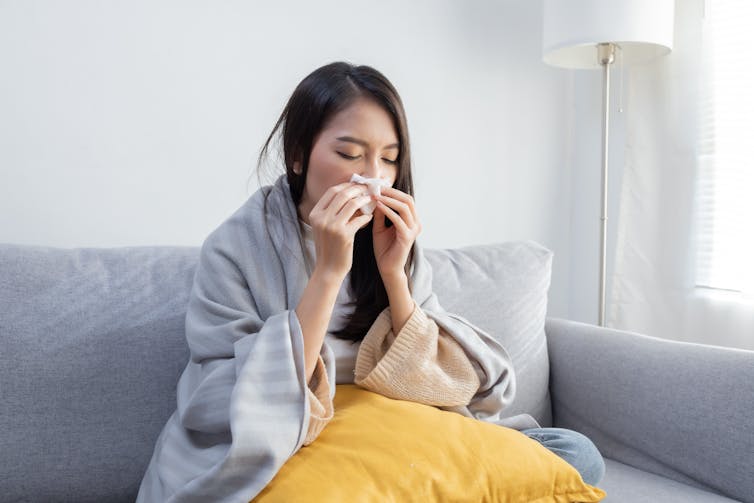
x=374 y=168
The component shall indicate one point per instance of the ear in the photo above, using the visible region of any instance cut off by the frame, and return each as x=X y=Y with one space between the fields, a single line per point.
x=297 y=167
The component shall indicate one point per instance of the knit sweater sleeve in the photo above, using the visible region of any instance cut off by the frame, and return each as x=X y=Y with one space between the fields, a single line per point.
x=423 y=363
x=320 y=402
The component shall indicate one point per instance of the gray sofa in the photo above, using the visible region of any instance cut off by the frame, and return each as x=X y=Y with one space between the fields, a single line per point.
x=92 y=346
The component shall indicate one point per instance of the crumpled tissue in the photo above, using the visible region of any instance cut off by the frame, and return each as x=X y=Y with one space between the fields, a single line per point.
x=373 y=187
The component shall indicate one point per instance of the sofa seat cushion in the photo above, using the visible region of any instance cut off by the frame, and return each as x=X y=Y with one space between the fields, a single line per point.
x=626 y=483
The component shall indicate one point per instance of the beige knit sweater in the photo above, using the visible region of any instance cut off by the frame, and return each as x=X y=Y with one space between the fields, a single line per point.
x=421 y=364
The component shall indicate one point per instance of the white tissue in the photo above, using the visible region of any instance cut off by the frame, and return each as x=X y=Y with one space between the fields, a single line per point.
x=373 y=187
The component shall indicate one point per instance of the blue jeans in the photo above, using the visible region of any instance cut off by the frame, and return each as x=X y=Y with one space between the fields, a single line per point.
x=575 y=448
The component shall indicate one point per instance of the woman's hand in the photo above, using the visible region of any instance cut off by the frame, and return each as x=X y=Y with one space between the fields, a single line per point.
x=392 y=244
x=334 y=225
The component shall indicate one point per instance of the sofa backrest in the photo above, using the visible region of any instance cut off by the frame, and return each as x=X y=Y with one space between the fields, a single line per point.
x=92 y=346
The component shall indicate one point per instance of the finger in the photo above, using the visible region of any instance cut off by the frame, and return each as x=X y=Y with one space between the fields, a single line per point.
x=345 y=196
x=357 y=222
x=402 y=196
x=328 y=196
x=401 y=208
x=392 y=191
x=351 y=206
x=379 y=220
x=344 y=190
x=394 y=217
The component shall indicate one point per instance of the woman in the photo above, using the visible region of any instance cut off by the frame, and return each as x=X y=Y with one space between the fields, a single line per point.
x=312 y=283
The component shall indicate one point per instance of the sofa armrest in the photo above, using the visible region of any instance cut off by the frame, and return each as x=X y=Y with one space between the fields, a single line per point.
x=681 y=410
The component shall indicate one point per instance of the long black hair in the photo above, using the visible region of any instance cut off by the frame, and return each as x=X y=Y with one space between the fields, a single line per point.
x=322 y=94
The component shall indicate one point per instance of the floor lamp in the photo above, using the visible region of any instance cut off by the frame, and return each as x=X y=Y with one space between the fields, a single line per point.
x=588 y=34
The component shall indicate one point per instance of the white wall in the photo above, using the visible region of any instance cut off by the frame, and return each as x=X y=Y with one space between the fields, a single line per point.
x=139 y=123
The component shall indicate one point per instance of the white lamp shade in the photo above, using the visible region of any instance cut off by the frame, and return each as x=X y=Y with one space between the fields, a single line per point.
x=572 y=28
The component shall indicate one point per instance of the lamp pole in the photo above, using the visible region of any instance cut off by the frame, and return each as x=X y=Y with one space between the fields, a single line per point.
x=606 y=56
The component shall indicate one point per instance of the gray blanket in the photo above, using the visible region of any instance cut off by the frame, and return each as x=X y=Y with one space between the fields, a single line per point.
x=242 y=408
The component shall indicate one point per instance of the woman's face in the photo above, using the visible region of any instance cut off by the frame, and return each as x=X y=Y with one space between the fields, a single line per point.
x=359 y=139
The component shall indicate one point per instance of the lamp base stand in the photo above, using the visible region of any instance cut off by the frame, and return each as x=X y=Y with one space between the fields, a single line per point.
x=606 y=57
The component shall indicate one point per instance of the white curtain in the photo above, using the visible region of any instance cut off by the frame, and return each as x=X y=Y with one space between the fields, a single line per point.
x=659 y=286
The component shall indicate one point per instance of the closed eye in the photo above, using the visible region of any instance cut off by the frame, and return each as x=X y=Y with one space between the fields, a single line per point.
x=354 y=157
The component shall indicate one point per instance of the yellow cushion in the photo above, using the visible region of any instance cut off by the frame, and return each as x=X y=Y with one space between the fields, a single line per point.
x=381 y=450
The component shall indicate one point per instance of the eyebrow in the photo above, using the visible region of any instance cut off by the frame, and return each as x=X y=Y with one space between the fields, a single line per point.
x=351 y=139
